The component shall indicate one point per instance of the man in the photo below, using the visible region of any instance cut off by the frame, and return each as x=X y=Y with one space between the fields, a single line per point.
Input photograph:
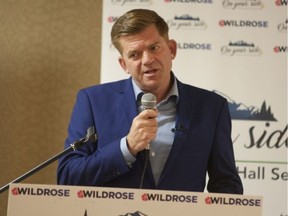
x=188 y=132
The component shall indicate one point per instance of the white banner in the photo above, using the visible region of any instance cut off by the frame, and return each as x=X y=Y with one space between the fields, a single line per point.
x=47 y=200
x=237 y=48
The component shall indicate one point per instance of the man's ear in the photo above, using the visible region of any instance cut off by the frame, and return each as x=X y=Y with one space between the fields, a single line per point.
x=173 y=48
x=123 y=64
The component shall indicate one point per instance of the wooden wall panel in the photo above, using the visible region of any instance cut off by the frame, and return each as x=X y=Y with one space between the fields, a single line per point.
x=49 y=49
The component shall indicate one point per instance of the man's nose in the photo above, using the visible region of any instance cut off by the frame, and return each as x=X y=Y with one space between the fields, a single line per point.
x=147 y=57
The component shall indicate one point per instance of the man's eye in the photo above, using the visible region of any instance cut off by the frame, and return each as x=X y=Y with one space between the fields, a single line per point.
x=155 y=48
x=133 y=55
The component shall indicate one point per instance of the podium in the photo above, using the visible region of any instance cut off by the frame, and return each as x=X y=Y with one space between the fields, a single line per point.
x=57 y=200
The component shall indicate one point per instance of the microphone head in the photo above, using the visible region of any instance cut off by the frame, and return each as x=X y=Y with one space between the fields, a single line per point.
x=91 y=134
x=148 y=101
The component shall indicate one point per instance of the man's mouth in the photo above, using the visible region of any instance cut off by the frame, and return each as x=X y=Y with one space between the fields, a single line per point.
x=150 y=72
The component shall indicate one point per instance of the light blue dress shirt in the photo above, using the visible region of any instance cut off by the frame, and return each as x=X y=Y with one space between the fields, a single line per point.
x=161 y=146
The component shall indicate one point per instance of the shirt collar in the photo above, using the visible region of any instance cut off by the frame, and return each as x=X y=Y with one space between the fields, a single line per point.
x=173 y=92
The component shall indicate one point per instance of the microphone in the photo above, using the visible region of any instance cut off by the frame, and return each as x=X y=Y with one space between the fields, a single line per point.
x=91 y=134
x=148 y=101
x=178 y=128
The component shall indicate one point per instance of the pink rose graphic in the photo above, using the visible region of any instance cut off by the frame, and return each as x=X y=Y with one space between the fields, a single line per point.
x=278 y=2
x=221 y=23
x=144 y=197
x=208 y=200
x=80 y=194
x=276 y=49
x=15 y=191
x=111 y=19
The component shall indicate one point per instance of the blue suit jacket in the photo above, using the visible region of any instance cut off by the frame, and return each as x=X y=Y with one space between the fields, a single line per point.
x=203 y=144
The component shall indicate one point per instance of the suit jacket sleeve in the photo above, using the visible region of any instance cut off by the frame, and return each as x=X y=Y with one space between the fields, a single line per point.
x=93 y=163
x=223 y=176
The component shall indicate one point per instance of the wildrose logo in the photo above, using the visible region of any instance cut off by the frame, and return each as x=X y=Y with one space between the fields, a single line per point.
x=169 y=198
x=105 y=194
x=26 y=191
x=232 y=201
x=244 y=23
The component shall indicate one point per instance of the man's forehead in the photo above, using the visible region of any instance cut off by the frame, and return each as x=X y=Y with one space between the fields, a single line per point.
x=149 y=37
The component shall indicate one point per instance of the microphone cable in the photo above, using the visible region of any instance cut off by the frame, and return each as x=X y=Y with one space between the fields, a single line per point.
x=146 y=152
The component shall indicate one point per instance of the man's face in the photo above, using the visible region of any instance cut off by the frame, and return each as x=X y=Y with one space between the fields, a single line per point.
x=147 y=57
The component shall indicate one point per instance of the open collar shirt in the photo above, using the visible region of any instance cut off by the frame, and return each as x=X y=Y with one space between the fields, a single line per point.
x=161 y=146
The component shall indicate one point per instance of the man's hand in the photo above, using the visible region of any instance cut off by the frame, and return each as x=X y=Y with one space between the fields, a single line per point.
x=143 y=131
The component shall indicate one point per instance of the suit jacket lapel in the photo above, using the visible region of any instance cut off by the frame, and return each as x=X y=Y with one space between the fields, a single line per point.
x=129 y=106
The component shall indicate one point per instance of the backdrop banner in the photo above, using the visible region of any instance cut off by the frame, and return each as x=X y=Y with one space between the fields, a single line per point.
x=237 y=48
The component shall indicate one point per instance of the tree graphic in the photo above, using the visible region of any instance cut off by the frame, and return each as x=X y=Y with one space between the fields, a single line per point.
x=264 y=113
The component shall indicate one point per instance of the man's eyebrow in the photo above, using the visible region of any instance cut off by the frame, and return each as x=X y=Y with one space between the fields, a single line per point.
x=136 y=50
x=154 y=44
